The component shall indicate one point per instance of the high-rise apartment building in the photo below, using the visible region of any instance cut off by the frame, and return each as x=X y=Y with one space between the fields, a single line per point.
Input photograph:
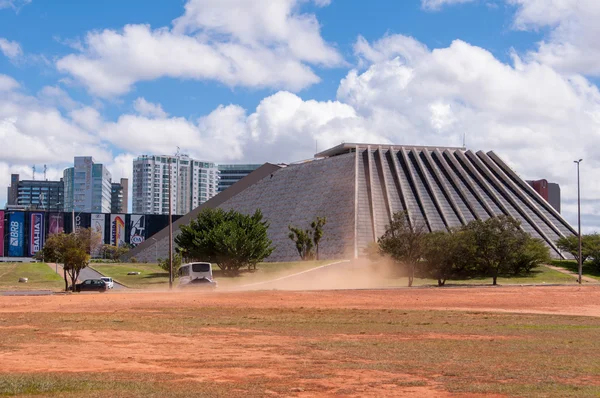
x=549 y=191
x=193 y=182
x=35 y=194
x=87 y=186
x=119 y=193
x=229 y=174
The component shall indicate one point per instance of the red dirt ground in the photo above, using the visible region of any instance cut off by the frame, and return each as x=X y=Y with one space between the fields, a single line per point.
x=126 y=351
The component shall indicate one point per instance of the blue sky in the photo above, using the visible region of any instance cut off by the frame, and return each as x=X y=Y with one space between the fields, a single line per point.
x=249 y=81
x=46 y=28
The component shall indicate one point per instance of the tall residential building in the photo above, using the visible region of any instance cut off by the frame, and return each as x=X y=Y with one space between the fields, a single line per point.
x=35 y=194
x=119 y=193
x=549 y=191
x=193 y=182
x=87 y=186
x=229 y=174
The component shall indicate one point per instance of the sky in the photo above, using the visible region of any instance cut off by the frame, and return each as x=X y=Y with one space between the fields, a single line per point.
x=235 y=81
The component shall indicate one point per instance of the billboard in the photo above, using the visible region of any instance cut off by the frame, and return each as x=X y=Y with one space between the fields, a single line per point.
x=117 y=229
x=16 y=234
x=56 y=223
x=137 y=229
x=98 y=224
x=36 y=233
x=2 y=233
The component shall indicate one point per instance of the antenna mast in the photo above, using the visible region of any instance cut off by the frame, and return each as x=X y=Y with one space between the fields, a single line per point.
x=33 y=168
x=45 y=169
x=464 y=140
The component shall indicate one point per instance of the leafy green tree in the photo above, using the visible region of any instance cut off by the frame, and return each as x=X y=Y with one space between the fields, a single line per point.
x=303 y=240
x=531 y=254
x=113 y=253
x=72 y=250
x=227 y=238
x=317 y=227
x=177 y=260
x=404 y=243
x=444 y=254
x=590 y=246
x=498 y=242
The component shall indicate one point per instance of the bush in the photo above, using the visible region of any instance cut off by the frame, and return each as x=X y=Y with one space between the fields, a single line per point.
x=230 y=239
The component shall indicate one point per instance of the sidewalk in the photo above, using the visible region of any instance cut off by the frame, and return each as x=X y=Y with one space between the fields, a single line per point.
x=573 y=274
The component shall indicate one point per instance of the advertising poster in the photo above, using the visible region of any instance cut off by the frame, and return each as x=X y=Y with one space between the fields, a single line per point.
x=56 y=225
x=98 y=224
x=117 y=229
x=36 y=233
x=2 y=233
x=82 y=221
x=16 y=235
x=137 y=229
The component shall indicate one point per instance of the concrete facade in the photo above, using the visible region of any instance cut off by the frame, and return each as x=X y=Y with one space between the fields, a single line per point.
x=359 y=187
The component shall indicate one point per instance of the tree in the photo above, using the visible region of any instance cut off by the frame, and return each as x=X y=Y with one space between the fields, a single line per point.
x=404 y=243
x=590 y=246
x=532 y=254
x=113 y=253
x=72 y=250
x=227 y=238
x=317 y=227
x=498 y=242
x=166 y=266
x=304 y=242
x=444 y=253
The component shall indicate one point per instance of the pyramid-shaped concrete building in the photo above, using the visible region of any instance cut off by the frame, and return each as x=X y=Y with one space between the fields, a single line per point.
x=359 y=187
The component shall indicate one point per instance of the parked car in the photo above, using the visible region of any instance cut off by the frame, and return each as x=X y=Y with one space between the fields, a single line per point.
x=109 y=282
x=91 y=285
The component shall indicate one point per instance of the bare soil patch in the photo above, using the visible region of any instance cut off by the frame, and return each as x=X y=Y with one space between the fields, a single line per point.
x=366 y=343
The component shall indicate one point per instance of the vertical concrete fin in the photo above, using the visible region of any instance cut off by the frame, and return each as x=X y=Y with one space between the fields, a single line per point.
x=429 y=188
x=443 y=183
x=403 y=188
x=413 y=179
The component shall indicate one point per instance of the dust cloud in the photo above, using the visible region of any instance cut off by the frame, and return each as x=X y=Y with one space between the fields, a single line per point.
x=349 y=274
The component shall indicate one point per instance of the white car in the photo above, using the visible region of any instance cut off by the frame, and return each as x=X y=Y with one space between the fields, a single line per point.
x=109 y=282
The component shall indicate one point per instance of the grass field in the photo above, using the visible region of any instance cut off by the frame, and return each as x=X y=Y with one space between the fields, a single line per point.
x=571 y=265
x=151 y=275
x=41 y=277
x=540 y=275
x=235 y=350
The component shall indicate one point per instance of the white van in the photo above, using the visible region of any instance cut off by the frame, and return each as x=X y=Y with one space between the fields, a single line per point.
x=197 y=275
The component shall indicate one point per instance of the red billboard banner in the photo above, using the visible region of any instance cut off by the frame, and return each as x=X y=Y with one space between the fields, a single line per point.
x=1 y=233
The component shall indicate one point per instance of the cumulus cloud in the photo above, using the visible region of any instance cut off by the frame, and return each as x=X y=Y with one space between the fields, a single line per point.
x=10 y=49
x=7 y=83
x=572 y=45
x=236 y=42
x=146 y=108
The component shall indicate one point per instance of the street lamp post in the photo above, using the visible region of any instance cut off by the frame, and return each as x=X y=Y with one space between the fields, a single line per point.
x=580 y=265
x=170 y=230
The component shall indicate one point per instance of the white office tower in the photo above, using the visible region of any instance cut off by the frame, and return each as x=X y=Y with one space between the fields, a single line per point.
x=87 y=186
x=193 y=182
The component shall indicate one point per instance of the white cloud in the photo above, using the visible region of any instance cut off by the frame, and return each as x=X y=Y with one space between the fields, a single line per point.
x=236 y=42
x=10 y=49
x=572 y=45
x=149 y=109
x=435 y=5
x=7 y=83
